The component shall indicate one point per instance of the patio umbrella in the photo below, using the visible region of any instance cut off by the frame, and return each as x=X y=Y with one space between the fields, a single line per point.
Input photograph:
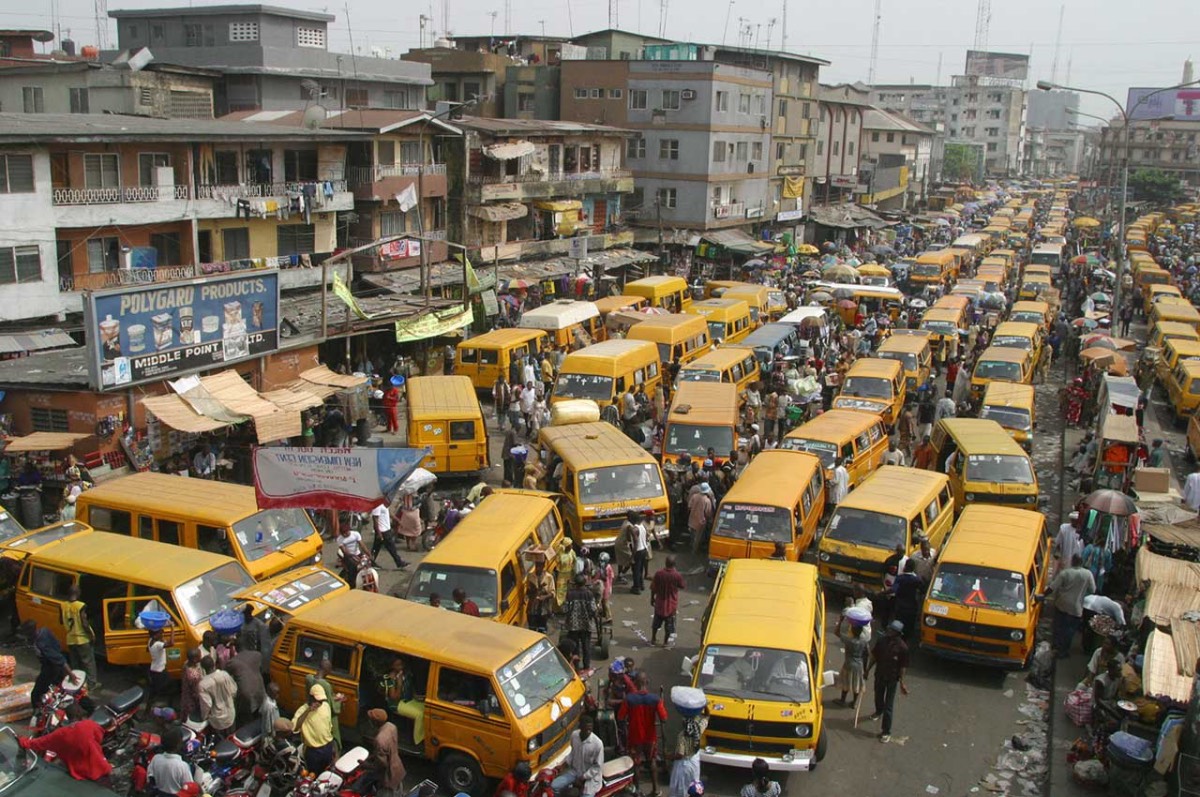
x=416 y=481
x=843 y=293
x=519 y=284
x=1100 y=357
x=1087 y=323
x=756 y=263
x=848 y=304
x=941 y=222
x=1086 y=223
x=821 y=296
x=873 y=270
x=841 y=273
x=1099 y=341
x=807 y=249
x=1105 y=273
x=1111 y=502
x=1102 y=297
x=811 y=274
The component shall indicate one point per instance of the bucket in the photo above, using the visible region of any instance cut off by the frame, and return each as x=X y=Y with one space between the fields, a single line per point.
x=154 y=620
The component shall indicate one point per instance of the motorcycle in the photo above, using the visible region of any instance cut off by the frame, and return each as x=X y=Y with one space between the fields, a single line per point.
x=116 y=718
x=617 y=778
x=338 y=779
x=232 y=759
x=276 y=772
x=51 y=714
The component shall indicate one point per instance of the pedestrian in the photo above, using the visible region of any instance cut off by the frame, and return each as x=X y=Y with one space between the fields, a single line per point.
x=500 y=398
x=80 y=637
x=889 y=659
x=643 y=711
x=761 y=784
x=349 y=543
x=189 y=686
x=391 y=406
x=1157 y=458
x=314 y=722
x=585 y=761
x=924 y=559
x=386 y=765
x=547 y=372
x=158 y=682
x=246 y=669
x=76 y=745
x=332 y=699
x=945 y=407
x=854 y=660
x=580 y=617
x=385 y=537
x=893 y=456
x=1067 y=543
x=623 y=547
x=564 y=573
x=839 y=486
x=640 y=543
x=167 y=773
x=908 y=431
x=528 y=404
x=268 y=713
x=53 y=666
x=218 y=693
x=664 y=597
x=1069 y=588
x=693 y=723
x=700 y=508
x=539 y=592
x=926 y=410
x=924 y=455
x=908 y=591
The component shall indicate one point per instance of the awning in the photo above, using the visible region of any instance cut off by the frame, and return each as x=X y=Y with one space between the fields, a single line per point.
x=35 y=341
x=270 y=421
x=738 y=241
x=509 y=150
x=503 y=211
x=321 y=375
x=558 y=205
x=294 y=399
x=432 y=325
x=179 y=415
x=845 y=217
x=43 y=441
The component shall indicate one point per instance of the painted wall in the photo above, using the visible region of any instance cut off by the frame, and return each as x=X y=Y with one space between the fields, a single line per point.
x=28 y=220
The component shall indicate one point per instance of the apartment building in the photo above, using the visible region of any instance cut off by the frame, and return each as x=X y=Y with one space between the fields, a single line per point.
x=271 y=58
x=837 y=152
x=81 y=86
x=93 y=201
x=1168 y=145
x=899 y=159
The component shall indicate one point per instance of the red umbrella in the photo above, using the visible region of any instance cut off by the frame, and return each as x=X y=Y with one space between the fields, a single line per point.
x=848 y=304
x=1111 y=502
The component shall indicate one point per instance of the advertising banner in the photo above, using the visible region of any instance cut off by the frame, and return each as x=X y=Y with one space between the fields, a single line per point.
x=146 y=333
x=351 y=479
x=1181 y=103
x=1009 y=66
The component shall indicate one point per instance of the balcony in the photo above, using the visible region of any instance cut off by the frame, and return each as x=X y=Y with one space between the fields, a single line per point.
x=535 y=185
x=730 y=210
x=383 y=181
x=123 y=276
x=96 y=207
x=515 y=250
x=371 y=261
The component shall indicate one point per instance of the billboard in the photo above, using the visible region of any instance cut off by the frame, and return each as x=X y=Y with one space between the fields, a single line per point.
x=1008 y=66
x=352 y=479
x=146 y=333
x=1178 y=103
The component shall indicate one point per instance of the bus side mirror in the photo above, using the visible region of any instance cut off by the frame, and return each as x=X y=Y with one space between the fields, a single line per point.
x=688 y=667
x=828 y=679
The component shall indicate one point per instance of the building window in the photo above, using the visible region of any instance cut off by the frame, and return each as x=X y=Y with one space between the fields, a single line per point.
x=635 y=147
x=299 y=165
x=16 y=174
x=526 y=101
x=259 y=166
x=133 y=31
x=310 y=37
x=167 y=246
x=243 y=31
x=718 y=195
x=668 y=149
x=849 y=147
x=719 y=152
x=891 y=137
x=148 y=163
x=145 y=96
x=637 y=99
x=779 y=150
x=385 y=152
x=762 y=104
x=235 y=243
x=722 y=101
x=79 y=100
x=756 y=151
x=743 y=103
x=472 y=89
x=805 y=110
x=820 y=148
x=198 y=35
x=227 y=166
x=670 y=99
x=782 y=108
x=101 y=170
x=580 y=93
x=741 y=150
x=597 y=94
x=48 y=420
x=410 y=152
x=295 y=239
x=803 y=156
x=20 y=264
x=156 y=32
x=392 y=222
x=34 y=102
x=357 y=98
x=616 y=94
x=104 y=254
x=837 y=148
x=991 y=147
x=874 y=138
x=665 y=197
x=395 y=99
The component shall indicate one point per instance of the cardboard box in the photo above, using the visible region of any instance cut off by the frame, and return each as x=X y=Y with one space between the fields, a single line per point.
x=1152 y=480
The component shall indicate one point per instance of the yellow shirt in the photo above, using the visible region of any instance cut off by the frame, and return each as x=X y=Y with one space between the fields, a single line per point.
x=77 y=633
x=317 y=730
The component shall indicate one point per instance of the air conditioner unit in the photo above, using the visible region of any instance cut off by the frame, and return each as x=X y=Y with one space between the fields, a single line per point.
x=688 y=94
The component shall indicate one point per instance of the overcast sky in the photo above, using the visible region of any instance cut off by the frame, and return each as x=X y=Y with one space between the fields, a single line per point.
x=1109 y=45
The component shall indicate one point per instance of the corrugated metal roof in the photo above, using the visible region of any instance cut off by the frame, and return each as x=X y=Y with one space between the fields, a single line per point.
x=37 y=340
x=26 y=127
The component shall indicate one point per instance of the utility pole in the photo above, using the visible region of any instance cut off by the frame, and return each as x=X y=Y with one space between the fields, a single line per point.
x=1062 y=10
x=875 y=43
x=783 y=46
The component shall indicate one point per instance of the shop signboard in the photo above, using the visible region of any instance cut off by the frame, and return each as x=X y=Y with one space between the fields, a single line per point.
x=147 y=333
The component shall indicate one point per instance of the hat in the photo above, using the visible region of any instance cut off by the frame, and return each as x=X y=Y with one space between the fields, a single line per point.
x=604 y=557
x=617 y=667
x=708 y=463
x=754 y=426
x=73 y=471
x=897 y=626
x=317 y=692
x=1073 y=516
x=705 y=488
x=377 y=715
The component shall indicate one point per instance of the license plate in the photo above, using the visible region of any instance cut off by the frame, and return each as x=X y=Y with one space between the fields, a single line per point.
x=842 y=577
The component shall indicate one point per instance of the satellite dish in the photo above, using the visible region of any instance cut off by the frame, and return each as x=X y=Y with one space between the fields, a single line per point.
x=314 y=116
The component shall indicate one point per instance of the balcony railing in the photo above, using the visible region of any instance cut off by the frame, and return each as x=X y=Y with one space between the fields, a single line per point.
x=733 y=210
x=538 y=177
x=124 y=276
x=108 y=196
x=152 y=193
x=363 y=175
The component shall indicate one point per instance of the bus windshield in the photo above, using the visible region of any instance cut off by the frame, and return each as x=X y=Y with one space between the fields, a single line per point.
x=620 y=483
x=1008 y=417
x=754 y=522
x=584 y=386
x=271 y=530
x=690 y=438
x=999 y=468
x=972 y=585
x=826 y=452
x=534 y=678
x=204 y=596
x=993 y=369
x=864 y=527
x=940 y=327
x=755 y=673
x=927 y=270
x=1013 y=342
x=867 y=387
x=909 y=360
x=698 y=375
x=478 y=583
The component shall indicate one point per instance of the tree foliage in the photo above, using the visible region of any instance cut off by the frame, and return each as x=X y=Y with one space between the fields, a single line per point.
x=961 y=162
x=1156 y=187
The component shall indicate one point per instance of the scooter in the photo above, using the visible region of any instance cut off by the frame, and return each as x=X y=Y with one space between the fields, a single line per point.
x=116 y=718
x=617 y=774
x=52 y=713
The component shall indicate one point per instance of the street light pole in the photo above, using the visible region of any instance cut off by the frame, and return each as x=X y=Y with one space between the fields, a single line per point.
x=1046 y=85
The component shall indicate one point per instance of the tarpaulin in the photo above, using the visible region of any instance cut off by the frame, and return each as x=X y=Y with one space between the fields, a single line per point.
x=432 y=325
x=351 y=479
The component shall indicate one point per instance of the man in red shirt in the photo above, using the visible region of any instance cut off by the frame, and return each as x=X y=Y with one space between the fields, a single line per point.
x=642 y=709
x=78 y=747
x=465 y=604
x=664 y=597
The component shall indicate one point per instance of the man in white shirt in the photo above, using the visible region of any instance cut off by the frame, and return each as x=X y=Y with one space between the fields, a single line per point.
x=205 y=463
x=381 y=521
x=528 y=403
x=945 y=407
x=1191 y=491
x=350 y=545
x=641 y=556
x=893 y=456
x=168 y=773
x=529 y=374
x=585 y=762
x=840 y=485
x=1067 y=543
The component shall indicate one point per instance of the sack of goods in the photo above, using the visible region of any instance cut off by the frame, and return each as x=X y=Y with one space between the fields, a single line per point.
x=688 y=700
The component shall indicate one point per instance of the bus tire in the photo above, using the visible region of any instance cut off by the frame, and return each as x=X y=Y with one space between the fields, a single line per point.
x=459 y=772
x=822 y=749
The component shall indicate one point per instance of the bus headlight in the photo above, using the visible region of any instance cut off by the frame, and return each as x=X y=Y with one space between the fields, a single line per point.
x=587 y=526
x=823 y=556
x=1017 y=636
x=969 y=496
x=930 y=620
x=534 y=743
x=804 y=730
x=1029 y=499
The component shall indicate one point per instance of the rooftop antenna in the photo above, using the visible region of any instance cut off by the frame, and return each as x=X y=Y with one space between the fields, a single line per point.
x=875 y=42
x=938 y=81
x=770 y=30
x=101 y=11
x=507 y=17
x=424 y=20
x=728 y=12
x=983 y=20
x=783 y=37
x=612 y=14
x=1062 y=10
x=664 y=5
x=493 y=15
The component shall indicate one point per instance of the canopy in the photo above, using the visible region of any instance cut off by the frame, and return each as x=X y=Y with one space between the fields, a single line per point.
x=503 y=211
x=178 y=414
x=1119 y=428
x=558 y=205
x=271 y=422
x=43 y=441
x=509 y=150
x=738 y=241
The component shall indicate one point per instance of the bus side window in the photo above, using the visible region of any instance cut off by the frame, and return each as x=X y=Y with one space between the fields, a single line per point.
x=114 y=520
x=213 y=540
x=468 y=355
